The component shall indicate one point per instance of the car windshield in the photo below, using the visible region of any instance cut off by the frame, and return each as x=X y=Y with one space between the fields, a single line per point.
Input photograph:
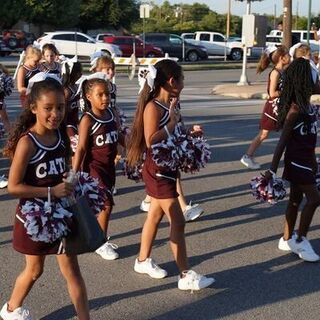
x=90 y=38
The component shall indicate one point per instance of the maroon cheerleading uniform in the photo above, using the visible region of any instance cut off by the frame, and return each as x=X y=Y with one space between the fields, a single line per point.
x=72 y=117
x=56 y=69
x=102 y=151
x=29 y=74
x=45 y=169
x=300 y=150
x=160 y=182
x=269 y=116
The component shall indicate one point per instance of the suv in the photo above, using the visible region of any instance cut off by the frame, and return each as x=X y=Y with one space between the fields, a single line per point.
x=72 y=43
x=125 y=43
x=173 y=44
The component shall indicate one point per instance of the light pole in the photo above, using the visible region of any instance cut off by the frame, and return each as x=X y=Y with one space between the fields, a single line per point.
x=243 y=78
x=309 y=22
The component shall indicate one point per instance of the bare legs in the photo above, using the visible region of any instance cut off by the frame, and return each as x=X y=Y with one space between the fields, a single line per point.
x=296 y=195
x=172 y=209
x=70 y=270
x=103 y=218
x=256 y=142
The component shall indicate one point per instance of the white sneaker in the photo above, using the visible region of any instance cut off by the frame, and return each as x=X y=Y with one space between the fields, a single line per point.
x=107 y=251
x=20 y=313
x=303 y=249
x=149 y=267
x=145 y=206
x=194 y=281
x=192 y=212
x=249 y=162
x=3 y=182
x=283 y=244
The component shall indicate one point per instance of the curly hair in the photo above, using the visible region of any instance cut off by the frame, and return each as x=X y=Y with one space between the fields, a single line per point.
x=297 y=88
x=27 y=119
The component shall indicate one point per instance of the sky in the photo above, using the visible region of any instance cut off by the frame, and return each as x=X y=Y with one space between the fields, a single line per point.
x=265 y=6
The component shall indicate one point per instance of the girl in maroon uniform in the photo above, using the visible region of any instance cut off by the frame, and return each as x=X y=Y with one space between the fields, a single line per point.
x=97 y=148
x=71 y=72
x=156 y=118
x=279 y=56
x=299 y=136
x=50 y=65
x=27 y=70
x=40 y=151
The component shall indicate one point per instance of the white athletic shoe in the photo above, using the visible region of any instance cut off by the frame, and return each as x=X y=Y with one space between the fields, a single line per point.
x=303 y=249
x=20 y=313
x=283 y=244
x=107 y=251
x=192 y=212
x=3 y=182
x=249 y=162
x=194 y=281
x=145 y=206
x=149 y=267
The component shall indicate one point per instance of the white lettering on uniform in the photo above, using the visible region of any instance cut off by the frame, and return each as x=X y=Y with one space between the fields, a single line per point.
x=41 y=170
x=110 y=137
x=99 y=140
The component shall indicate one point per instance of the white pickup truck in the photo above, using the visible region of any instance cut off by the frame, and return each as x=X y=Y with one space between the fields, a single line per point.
x=216 y=44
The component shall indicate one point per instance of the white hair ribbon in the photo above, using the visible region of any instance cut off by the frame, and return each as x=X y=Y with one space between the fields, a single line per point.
x=147 y=75
x=69 y=62
x=293 y=49
x=94 y=58
x=41 y=76
x=269 y=50
x=97 y=75
x=36 y=44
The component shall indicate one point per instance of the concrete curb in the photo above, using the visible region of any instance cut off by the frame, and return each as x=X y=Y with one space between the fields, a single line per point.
x=252 y=91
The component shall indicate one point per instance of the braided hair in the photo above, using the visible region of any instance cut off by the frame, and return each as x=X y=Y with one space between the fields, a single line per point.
x=297 y=88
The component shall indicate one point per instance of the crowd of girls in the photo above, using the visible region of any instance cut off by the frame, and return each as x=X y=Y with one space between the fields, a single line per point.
x=49 y=139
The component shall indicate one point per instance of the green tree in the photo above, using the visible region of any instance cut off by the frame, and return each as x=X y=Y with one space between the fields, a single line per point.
x=11 y=12
x=53 y=12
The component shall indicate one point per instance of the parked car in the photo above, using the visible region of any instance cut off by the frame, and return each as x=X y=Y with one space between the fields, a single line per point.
x=99 y=37
x=126 y=44
x=72 y=43
x=272 y=40
x=217 y=45
x=173 y=44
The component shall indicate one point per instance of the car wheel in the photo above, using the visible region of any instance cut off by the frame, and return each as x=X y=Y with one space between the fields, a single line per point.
x=12 y=43
x=150 y=55
x=236 y=54
x=192 y=56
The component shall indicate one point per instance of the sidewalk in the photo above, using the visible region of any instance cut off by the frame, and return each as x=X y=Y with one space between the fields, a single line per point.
x=256 y=90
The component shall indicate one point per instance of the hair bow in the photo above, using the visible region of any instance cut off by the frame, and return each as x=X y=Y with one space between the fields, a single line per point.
x=97 y=75
x=269 y=50
x=293 y=49
x=94 y=58
x=69 y=62
x=147 y=75
x=41 y=76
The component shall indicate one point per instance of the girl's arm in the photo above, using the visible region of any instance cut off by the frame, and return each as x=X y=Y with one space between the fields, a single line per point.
x=274 y=79
x=16 y=186
x=84 y=132
x=285 y=136
x=151 y=119
x=20 y=80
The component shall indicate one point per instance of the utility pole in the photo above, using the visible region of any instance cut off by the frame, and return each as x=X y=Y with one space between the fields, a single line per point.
x=228 y=19
x=309 y=23
x=287 y=23
x=275 y=17
x=297 y=15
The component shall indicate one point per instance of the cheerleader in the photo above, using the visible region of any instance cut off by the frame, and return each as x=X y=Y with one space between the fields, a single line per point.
x=71 y=72
x=97 y=147
x=298 y=118
x=27 y=70
x=50 y=55
x=155 y=119
x=279 y=56
x=40 y=151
